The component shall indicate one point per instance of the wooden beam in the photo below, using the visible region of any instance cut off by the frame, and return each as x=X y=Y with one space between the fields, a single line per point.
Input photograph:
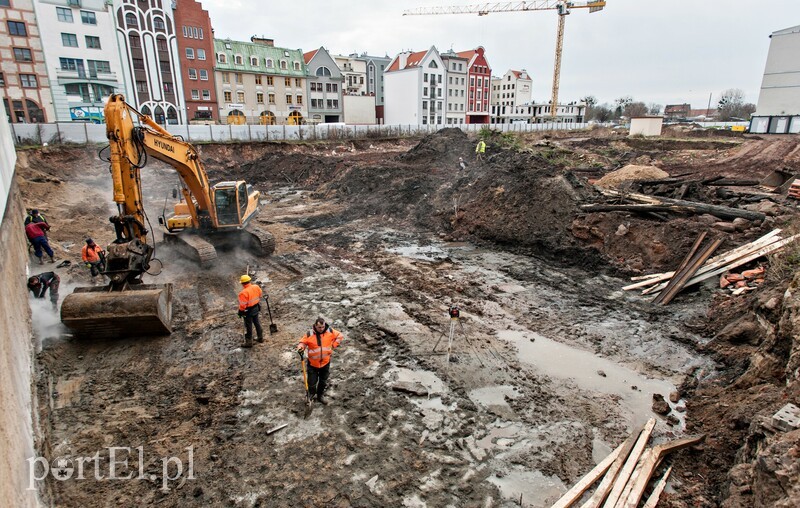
x=649 y=466
x=723 y=212
x=588 y=480
x=630 y=464
x=652 y=501
x=683 y=277
x=608 y=480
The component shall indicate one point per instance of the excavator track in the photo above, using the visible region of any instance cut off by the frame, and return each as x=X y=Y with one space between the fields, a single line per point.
x=193 y=246
x=262 y=242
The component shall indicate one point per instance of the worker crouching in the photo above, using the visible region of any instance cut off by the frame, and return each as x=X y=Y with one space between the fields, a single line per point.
x=43 y=283
x=319 y=343
x=249 y=307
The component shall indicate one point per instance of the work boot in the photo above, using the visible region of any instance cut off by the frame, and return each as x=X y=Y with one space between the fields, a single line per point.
x=260 y=339
x=52 y=260
x=322 y=400
x=248 y=343
x=41 y=261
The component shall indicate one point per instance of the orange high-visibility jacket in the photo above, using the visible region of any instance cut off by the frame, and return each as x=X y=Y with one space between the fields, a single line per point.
x=319 y=351
x=249 y=296
x=91 y=254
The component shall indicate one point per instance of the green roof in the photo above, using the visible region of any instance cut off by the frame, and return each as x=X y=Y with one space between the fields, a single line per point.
x=264 y=53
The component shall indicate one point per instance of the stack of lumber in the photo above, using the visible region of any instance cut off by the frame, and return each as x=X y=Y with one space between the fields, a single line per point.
x=626 y=473
x=794 y=190
x=768 y=244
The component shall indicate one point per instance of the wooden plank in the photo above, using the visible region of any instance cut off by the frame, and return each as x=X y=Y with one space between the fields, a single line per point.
x=630 y=464
x=637 y=471
x=667 y=295
x=657 y=453
x=588 y=480
x=687 y=259
x=608 y=480
x=652 y=501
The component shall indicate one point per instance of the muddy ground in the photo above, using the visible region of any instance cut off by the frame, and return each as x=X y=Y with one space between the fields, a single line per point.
x=552 y=363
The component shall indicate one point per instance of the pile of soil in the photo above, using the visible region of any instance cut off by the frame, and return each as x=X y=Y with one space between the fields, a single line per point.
x=630 y=172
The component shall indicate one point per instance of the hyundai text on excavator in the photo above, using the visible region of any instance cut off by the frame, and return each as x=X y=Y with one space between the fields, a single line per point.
x=222 y=214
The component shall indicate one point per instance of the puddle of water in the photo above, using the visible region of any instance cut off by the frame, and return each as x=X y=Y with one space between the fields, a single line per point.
x=493 y=395
x=435 y=404
x=537 y=490
x=427 y=379
x=560 y=361
x=424 y=253
x=500 y=437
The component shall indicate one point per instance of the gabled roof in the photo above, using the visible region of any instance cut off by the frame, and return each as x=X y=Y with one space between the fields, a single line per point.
x=308 y=56
x=413 y=61
x=263 y=52
x=787 y=31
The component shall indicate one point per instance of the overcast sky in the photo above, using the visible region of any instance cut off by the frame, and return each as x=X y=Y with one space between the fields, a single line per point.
x=659 y=51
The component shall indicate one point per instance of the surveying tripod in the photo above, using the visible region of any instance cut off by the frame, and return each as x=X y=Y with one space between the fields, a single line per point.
x=455 y=317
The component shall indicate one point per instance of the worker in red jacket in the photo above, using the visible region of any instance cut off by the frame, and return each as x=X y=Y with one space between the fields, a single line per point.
x=37 y=235
x=319 y=342
x=249 y=307
x=40 y=284
x=94 y=257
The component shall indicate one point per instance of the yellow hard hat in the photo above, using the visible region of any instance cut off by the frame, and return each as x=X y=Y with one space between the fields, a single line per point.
x=244 y=278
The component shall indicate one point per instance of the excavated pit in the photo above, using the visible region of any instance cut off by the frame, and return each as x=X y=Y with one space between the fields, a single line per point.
x=552 y=364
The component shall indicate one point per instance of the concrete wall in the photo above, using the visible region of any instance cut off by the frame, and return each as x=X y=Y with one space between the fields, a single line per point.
x=359 y=109
x=16 y=342
x=402 y=97
x=649 y=126
x=780 y=88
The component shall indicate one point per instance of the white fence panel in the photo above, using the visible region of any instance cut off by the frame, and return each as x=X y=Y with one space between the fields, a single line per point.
x=199 y=133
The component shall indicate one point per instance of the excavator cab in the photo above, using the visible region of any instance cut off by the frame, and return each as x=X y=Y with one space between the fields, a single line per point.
x=235 y=202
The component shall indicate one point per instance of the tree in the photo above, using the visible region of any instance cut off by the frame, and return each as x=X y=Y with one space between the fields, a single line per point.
x=602 y=113
x=731 y=106
x=654 y=109
x=590 y=101
x=634 y=109
x=621 y=103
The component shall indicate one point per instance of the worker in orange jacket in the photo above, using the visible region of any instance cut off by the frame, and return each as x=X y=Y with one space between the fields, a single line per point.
x=94 y=257
x=320 y=342
x=249 y=307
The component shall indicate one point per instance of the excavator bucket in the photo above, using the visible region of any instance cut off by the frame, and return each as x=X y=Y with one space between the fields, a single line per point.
x=139 y=311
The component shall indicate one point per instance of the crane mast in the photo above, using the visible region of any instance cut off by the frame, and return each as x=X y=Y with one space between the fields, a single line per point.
x=562 y=8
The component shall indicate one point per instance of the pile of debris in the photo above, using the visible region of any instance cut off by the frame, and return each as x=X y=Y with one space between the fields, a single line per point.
x=626 y=472
x=697 y=267
x=743 y=282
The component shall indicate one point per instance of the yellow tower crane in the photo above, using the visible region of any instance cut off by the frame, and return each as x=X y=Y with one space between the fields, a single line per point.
x=562 y=8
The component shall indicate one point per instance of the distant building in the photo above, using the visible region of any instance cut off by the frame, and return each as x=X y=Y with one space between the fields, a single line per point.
x=456 y=85
x=196 y=53
x=677 y=111
x=778 y=109
x=259 y=83
x=24 y=84
x=358 y=105
x=479 y=75
x=510 y=91
x=537 y=112
x=146 y=35
x=325 y=83
x=414 y=88
x=83 y=61
x=376 y=65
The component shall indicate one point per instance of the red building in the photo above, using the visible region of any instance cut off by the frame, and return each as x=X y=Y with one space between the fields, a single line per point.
x=196 y=50
x=479 y=82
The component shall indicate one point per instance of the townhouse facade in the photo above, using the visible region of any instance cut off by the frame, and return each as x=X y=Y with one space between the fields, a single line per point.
x=415 y=86
x=147 y=38
x=196 y=54
x=479 y=75
x=354 y=74
x=375 y=67
x=83 y=62
x=509 y=92
x=260 y=83
x=325 y=83
x=24 y=84
x=456 y=81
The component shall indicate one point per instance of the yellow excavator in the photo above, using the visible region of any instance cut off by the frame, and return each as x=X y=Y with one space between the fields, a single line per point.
x=207 y=217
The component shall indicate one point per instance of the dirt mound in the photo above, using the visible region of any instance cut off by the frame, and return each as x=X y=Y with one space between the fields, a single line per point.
x=444 y=147
x=631 y=172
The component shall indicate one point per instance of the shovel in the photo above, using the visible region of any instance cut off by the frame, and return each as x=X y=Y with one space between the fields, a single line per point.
x=273 y=328
x=305 y=382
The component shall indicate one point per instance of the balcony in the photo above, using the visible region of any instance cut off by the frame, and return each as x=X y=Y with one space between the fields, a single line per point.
x=82 y=75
